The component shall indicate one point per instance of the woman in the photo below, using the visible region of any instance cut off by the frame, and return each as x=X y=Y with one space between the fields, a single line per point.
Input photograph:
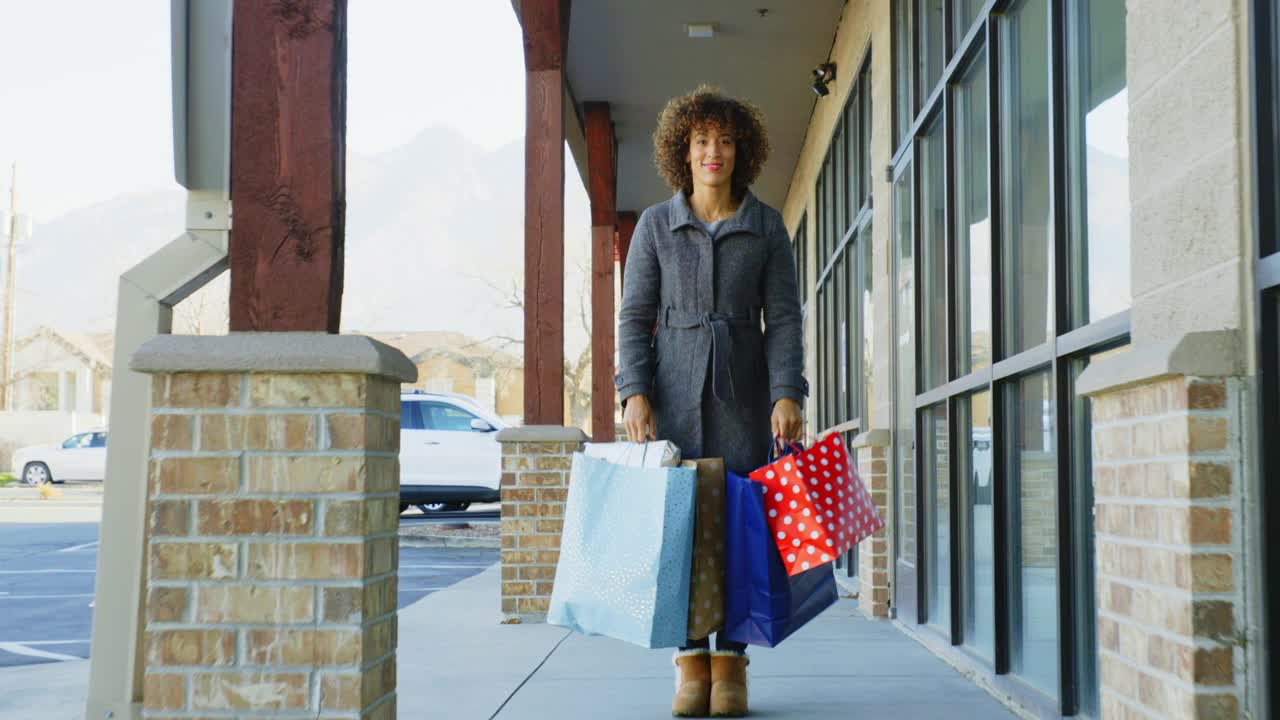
x=704 y=269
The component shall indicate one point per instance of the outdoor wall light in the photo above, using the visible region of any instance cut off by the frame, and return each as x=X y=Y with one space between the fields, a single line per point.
x=823 y=74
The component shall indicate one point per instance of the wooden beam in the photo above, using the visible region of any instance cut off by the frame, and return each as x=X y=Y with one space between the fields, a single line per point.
x=545 y=25
x=602 y=182
x=288 y=146
x=626 y=228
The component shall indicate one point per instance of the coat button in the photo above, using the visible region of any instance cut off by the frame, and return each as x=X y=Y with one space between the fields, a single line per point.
x=617 y=380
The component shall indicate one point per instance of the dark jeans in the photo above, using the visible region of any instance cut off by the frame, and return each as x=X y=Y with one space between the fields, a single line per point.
x=722 y=645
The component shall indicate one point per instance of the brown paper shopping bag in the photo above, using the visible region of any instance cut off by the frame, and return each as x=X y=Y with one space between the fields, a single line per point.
x=706 y=576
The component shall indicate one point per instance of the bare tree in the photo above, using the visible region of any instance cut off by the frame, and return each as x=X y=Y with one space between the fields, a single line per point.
x=577 y=371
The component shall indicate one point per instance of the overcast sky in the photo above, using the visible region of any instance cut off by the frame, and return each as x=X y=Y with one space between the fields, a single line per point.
x=85 y=95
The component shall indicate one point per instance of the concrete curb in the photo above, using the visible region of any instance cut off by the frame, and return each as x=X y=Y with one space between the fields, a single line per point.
x=449 y=541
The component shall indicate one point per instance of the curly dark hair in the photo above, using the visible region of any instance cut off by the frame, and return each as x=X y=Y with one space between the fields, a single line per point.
x=707 y=106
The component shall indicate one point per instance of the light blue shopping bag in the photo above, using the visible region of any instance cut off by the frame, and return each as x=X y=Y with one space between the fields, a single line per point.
x=625 y=553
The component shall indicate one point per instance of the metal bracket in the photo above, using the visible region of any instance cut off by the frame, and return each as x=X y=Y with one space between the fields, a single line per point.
x=208 y=211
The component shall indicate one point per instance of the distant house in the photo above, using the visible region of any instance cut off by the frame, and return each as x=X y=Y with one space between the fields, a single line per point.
x=455 y=363
x=60 y=371
x=61 y=385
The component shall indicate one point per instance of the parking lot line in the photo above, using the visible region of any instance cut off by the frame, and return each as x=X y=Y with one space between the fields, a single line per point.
x=45 y=571
x=430 y=589
x=44 y=597
x=444 y=567
x=23 y=649
x=75 y=548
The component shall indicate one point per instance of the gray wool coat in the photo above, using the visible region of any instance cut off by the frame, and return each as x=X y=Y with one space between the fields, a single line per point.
x=690 y=332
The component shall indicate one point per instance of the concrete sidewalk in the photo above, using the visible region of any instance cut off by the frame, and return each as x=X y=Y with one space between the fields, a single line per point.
x=456 y=661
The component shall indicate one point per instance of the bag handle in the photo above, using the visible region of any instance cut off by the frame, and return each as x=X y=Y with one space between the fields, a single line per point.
x=780 y=448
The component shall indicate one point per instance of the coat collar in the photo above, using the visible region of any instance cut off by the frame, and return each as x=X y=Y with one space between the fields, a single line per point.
x=747 y=219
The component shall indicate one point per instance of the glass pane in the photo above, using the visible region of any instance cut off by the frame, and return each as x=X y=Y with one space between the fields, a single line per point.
x=937 y=483
x=933 y=247
x=820 y=202
x=840 y=177
x=932 y=59
x=866 y=324
x=868 y=171
x=833 y=348
x=833 y=232
x=852 y=310
x=965 y=12
x=1027 y=241
x=1032 y=468
x=1098 y=127
x=904 y=341
x=973 y=223
x=821 y=395
x=903 y=100
x=852 y=150
x=973 y=416
x=841 y=320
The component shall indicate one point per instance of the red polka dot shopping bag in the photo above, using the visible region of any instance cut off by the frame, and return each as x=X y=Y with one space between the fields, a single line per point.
x=817 y=505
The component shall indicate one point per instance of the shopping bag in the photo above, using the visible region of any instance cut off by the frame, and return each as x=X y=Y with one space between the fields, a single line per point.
x=706 y=577
x=764 y=605
x=656 y=453
x=625 y=553
x=817 y=505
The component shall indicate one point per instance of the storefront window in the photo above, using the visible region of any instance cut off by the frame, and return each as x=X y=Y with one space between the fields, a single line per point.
x=1032 y=468
x=973 y=223
x=973 y=458
x=937 y=482
x=1026 y=237
x=933 y=246
x=1098 y=131
x=988 y=194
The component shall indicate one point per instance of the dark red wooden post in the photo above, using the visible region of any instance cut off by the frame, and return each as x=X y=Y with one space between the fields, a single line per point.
x=288 y=144
x=626 y=227
x=602 y=183
x=545 y=24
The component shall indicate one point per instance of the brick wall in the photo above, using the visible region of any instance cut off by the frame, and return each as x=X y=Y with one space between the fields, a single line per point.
x=873 y=552
x=535 y=483
x=272 y=551
x=1166 y=468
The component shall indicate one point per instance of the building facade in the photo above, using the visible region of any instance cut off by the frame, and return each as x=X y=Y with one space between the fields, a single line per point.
x=1028 y=234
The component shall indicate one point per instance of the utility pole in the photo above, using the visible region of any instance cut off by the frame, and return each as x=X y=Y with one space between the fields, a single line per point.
x=6 y=354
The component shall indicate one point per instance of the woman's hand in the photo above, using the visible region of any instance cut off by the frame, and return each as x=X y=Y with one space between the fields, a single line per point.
x=638 y=419
x=787 y=421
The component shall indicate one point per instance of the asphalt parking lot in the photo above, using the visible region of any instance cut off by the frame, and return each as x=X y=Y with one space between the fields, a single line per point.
x=47 y=582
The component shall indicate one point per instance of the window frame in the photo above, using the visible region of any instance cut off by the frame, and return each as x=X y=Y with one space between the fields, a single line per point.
x=1066 y=346
x=1264 y=37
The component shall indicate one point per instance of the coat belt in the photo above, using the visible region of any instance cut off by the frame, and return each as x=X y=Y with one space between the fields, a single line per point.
x=721 y=342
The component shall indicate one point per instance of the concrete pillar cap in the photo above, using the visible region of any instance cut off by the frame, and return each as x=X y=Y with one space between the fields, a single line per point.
x=278 y=352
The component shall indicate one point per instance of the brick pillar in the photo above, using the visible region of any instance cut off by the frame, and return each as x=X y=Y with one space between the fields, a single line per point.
x=874 y=560
x=273 y=510
x=1166 y=471
x=535 y=483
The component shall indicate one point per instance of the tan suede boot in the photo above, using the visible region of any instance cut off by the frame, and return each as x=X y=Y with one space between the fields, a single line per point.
x=728 y=684
x=693 y=683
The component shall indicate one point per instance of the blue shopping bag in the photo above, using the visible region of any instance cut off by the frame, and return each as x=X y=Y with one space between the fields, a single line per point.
x=625 y=553
x=762 y=604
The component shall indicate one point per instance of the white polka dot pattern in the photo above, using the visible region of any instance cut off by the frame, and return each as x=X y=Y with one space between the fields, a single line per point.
x=828 y=471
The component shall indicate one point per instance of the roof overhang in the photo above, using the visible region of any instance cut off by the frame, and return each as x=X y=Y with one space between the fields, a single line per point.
x=637 y=55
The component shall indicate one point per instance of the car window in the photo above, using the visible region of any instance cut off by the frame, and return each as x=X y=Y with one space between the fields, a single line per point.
x=99 y=440
x=77 y=441
x=411 y=415
x=448 y=418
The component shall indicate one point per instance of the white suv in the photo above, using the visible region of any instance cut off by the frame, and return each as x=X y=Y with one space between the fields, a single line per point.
x=449 y=455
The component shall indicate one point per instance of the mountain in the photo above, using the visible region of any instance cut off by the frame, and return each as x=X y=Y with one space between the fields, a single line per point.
x=434 y=242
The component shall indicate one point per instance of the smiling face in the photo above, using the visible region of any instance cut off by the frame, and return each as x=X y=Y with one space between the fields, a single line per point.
x=711 y=155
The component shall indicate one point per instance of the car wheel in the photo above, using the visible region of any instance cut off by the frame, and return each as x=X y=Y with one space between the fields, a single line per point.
x=36 y=473
x=459 y=507
x=435 y=507
x=403 y=507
